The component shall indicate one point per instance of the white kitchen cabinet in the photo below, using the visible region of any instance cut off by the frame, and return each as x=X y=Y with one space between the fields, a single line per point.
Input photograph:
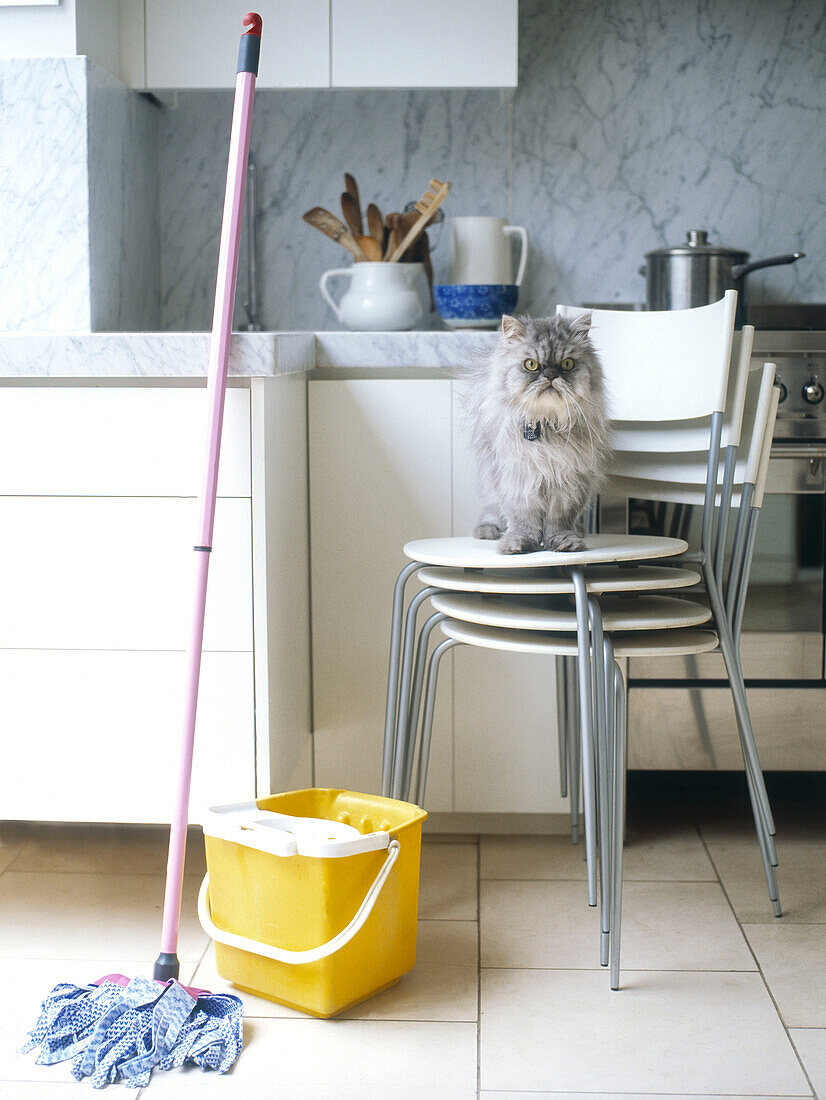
x=193 y=45
x=389 y=462
x=98 y=509
x=437 y=44
x=322 y=43
x=379 y=476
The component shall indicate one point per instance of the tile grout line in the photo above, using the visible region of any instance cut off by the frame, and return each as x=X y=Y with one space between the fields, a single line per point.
x=756 y=960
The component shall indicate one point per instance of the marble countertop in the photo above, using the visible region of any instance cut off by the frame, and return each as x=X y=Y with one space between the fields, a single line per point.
x=252 y=354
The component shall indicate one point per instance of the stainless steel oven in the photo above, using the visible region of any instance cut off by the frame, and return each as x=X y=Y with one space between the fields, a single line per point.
x=680 y=709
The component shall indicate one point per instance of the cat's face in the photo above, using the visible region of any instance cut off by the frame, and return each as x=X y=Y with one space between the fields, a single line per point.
x=548 y=367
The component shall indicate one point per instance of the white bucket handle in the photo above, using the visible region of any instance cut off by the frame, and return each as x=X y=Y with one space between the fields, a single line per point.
x=280 y=954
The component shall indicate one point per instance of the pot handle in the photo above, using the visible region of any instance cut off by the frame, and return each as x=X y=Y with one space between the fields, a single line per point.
x=739 y=270
x=325 y=293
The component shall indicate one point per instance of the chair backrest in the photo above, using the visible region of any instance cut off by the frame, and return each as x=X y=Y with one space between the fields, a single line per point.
x=681 y=478
x=691 y=467
x=667 y=365
x=694 y=434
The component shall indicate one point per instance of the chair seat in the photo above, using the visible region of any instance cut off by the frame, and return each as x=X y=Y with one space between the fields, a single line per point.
x=526 y=613
x=471 y=553
x=644 y=643
x=640 y=578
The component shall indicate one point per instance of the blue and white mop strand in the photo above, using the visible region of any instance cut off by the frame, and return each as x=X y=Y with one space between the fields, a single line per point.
x=121 y=1033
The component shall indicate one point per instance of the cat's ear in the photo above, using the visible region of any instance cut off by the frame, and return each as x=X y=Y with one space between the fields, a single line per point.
x=512 y=327
x=582 y=323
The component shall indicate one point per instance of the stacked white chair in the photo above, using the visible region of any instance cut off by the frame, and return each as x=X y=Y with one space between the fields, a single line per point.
x=667 y=378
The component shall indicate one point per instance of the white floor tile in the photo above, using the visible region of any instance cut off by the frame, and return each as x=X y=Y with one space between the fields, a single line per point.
x=811 y=1046
x=666 y=925
x=485 y=1095
x=793 y=960
x=448 y=884
x=655 y=852
x=98 y=849
x=340 y=1059
x=76 y=916
x=802 y=894
x=663 y=1032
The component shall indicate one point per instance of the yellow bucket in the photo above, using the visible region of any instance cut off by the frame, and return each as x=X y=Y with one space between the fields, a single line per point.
x=311 y=896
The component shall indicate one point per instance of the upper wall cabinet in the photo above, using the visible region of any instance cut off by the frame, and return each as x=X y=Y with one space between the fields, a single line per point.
x=193 y=44
x=433 y=44
x=322 y=43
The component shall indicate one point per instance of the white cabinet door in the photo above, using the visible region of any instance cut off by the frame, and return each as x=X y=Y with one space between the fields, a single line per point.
x=504 y=711
x=436 y=44
x=193 y=45
x=379 y=476
x=117 y=573
x=93 y=735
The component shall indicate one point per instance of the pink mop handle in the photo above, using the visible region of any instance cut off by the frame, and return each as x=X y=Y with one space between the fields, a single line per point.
x=216 y=390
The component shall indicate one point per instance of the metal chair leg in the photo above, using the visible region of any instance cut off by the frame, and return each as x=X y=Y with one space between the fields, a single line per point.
x=601 y=724
x=756 y=786
x=586 y=730
x=617 y=817
x=393 y=677
x=416 y=697
x=572 y=737
x=427 y=718
x=562 y=722
x=400 y=754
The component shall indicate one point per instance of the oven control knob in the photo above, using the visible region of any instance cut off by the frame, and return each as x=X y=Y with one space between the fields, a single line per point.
x=812 y=392
x=784 y=393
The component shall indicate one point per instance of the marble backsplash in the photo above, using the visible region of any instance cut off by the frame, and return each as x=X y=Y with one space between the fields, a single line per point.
x=634 y=121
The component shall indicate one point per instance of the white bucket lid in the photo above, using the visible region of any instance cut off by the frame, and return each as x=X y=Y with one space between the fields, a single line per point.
x=283 y=835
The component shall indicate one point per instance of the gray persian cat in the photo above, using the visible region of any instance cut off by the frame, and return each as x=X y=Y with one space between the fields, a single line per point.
x=537 y=419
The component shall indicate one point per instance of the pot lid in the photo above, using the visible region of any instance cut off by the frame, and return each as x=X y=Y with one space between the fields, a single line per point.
x=696 y=244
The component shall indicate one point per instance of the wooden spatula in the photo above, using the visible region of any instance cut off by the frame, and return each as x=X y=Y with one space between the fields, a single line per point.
x=352 y=215
x=334 y=228
x=375 y=224
x=427 y=206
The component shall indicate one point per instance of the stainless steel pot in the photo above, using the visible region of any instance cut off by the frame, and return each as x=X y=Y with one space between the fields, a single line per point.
x=697 y=273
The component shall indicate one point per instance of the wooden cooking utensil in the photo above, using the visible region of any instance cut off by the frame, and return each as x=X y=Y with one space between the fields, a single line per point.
x=427 y=206
x=371 y=249
x=375 y=224
x=352 y=214
x=352 y=188
x=393 y=236
x=334 y=228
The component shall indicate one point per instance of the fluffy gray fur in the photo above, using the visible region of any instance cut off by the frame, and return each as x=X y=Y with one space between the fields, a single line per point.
x=536 y=490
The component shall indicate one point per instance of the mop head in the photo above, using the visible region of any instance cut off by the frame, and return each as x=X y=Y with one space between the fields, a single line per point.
x=121 y=1033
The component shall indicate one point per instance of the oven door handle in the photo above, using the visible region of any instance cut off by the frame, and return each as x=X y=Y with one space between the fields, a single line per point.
x=798 y=450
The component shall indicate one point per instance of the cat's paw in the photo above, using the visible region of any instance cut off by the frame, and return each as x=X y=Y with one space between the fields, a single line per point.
x=488 y=531
x=563 y=542
x=515 y=543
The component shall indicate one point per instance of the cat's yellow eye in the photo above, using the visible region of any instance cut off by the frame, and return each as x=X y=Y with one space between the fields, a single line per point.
x=530 y=364
x=567 y=364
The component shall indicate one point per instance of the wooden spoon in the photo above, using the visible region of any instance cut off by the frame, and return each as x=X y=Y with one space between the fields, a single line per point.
x=375 y=224
x=352 y=189
x=352 y=214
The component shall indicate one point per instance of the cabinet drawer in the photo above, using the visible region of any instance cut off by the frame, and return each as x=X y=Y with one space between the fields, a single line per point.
x=117 y=441
x=117 y=573
x=94 y=736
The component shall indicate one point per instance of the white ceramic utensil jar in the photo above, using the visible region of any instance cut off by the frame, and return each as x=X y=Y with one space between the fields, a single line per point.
x=382 y=297
x=480 y=252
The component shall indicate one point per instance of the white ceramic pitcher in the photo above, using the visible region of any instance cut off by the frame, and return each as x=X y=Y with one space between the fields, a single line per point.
x=382 y=297
x=480 y=252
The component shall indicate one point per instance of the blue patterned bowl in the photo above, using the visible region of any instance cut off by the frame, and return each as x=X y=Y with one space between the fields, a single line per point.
x=479 y=306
